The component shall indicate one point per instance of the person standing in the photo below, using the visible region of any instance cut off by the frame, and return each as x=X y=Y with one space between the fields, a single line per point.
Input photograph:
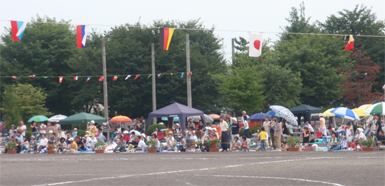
x=277 y=134
x=234 y=129
x=349 y=134
x=34 y=129
x=224 y=131
x=378 y=125
x=263 y=138
x=92 y=128
x=266 y=124
x=43 y=129
x=322 y=125
x=49 y=128
x=245 y=124
x=106 y=129
x=271 y=134
x=22 y=128
x=12 y=131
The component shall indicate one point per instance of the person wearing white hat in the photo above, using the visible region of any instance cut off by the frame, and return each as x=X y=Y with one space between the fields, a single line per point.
x=75 y=133
x=234 y=129
x=51 y=138
x=72 y=145
x=92 y=128
x=214 y=131
x=245 y=123
x=359 y=137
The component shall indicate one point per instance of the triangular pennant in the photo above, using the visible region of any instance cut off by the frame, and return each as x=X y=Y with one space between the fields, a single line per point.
x=128 y=76
x=159 y=75
x=88 y=78
x=182 y=75
x=76 y=78
x=14 y=77
x=60 y=79
x=115 y=78
x=101 y=78
x=45 y=77
x=31 y=76
x=148 y=76
x=136 y=77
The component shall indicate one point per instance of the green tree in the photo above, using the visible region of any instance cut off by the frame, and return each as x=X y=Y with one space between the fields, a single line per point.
x=315 y=59
x=242 y=88
x=298 y=23
x=21 y=102
x=360 y=21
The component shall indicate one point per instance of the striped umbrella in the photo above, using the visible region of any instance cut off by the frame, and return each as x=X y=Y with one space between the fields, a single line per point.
x=345 y=113
x=360 y=112
x=327 y=113
x=214 y=116
x=196 y=119
x=285 y=113
x=378 y=108
x=365 y=106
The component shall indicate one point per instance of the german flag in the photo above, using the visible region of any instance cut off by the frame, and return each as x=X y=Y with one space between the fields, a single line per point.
x=165 y=36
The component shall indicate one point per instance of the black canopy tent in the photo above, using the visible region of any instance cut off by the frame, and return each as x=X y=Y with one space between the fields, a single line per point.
x=175 y=110
x=306 y=111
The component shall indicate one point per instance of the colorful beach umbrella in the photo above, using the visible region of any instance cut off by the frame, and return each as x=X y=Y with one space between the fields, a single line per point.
x=273 y=114
x=259 y=117
x=365 y=106
x=378 y=108
x=38 y=118
x=345 y=113
x=327 y=113
x=120 y=119
x=360 y=112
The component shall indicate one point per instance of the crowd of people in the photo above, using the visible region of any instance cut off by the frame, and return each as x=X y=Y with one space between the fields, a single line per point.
x=272 y=135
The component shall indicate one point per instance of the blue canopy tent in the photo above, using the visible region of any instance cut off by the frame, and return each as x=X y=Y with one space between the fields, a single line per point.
x=175 y=110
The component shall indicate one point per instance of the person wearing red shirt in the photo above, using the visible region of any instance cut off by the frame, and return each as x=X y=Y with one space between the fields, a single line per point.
x=126 y=137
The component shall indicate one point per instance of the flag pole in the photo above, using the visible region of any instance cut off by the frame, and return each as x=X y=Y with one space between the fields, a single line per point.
x=105 y=85
x=189 y=99
x=153 y=81
x=233 y=50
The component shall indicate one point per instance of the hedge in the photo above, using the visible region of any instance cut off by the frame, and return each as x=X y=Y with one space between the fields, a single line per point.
x=151 y=128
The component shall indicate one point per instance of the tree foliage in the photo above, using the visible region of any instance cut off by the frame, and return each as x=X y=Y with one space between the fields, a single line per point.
x=21 y=102
x=359 y=81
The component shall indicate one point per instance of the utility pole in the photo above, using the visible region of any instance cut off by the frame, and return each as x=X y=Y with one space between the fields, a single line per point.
x=189 y=99
x=153 y=81
x=232 y=50
x=105 y=95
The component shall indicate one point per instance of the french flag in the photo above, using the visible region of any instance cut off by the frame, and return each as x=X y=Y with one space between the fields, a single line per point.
x=81 y=35
x=18 y=28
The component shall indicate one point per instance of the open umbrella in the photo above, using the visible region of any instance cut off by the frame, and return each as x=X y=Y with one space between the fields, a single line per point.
x=360 y=112
x=259 y=116
x=196 y=119
x=38 y=118
x=57 y=118
x=327 y=113
x=345 y=113
x=285 y=113
x=120 y=119
x=378 y=108
x=214 y=116
x=273 y=114
x=365 y=106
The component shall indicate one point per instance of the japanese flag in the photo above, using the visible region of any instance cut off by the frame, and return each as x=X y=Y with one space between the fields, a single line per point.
x=255 y=45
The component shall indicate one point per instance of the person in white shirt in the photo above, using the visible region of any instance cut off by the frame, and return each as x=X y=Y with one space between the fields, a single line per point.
x=236 y=144
x=61 y=134
x=22 y=128
x=141 y=144
x=224 y=131
x=349 y=133
x=91 y=142
x=359 y=137
x=171 y=142
x=43 y=143
x=245 y=123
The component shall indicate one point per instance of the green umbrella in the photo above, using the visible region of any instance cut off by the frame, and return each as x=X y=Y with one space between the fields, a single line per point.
x=378 y=108
x=83 y=118
x=38 y=118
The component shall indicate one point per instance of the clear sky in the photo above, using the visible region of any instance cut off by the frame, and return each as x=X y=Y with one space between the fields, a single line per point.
x=247 y=15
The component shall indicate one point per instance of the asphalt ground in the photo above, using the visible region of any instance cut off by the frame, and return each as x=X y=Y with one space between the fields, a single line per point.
x=221 y=168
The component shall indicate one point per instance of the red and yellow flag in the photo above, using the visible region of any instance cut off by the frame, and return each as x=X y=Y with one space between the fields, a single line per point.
x=350 y=45
x=165 y=36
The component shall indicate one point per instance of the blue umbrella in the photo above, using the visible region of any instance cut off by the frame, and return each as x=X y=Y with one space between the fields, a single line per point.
x=259 y=116
x=273 y=114
x=345 y=113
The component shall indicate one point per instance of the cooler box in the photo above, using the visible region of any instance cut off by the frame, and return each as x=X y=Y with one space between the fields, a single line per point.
x=161 y=135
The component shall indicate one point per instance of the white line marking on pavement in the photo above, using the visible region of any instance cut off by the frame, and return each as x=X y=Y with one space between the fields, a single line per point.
x=177 y=171
x=278 y=178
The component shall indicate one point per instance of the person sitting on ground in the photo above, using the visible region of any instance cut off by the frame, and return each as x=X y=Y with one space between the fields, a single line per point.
x=62 y=145
x=121 y=145
x=310 y=128
x=236 y=144
x=214 y=131
x=91 y=142
x=171 y=142
x=120 y=135
x=133 y=140
x=73 y=146
x=245 y=145
x=79 y=143
x=126 y=137
x=284 y=146
x=329 y=131
x=193 y=139
x=182 y=146
x=19 y=137
x=141 y=144
x=24 y=146
x=101 y=137
x=51 y=139
x=359 y=137
x=12 y=132
x=43 y=143
x=368 y=131
x=334 y=143
x=306 y=136
x=33 y=145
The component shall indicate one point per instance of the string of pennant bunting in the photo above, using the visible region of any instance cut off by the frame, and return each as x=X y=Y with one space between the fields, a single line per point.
x=165 y=35
x=115 y=77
